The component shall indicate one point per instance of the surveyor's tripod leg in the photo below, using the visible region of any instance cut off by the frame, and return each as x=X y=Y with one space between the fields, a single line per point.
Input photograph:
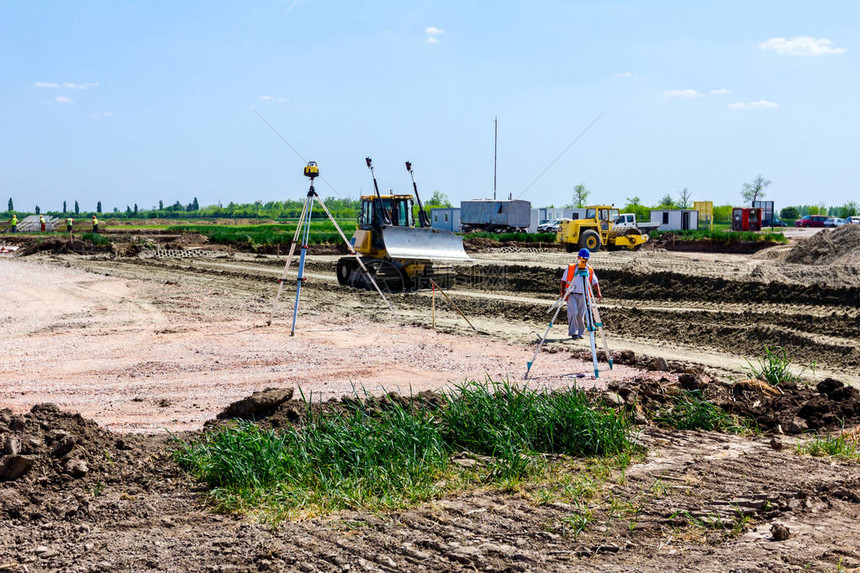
x=289 y=260
x=559 y=305
x=599 y=324
x=304 y=251
x=589 y=321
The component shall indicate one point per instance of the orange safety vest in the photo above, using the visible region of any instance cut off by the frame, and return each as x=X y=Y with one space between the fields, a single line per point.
x=570 y=273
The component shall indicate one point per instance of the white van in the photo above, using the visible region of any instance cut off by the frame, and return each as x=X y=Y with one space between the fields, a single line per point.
x=853 y=220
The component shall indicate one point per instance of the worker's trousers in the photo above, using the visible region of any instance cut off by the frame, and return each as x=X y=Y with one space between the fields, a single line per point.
x=575 y=314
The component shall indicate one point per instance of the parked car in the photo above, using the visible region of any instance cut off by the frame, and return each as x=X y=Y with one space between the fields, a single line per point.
x=549 y=227
x=777 y=222
x=811 y=221
x=834 y=222
x=853 y=220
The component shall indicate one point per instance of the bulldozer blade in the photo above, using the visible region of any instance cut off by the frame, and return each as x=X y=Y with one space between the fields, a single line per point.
x=423 y=243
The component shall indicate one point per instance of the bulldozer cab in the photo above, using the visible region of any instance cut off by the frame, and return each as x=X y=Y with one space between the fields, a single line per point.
x=397 y=210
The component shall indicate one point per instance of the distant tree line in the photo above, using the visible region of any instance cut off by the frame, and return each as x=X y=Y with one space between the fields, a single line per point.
x=271 y=210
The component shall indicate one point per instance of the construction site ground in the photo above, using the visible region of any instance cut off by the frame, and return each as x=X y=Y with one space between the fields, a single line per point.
x=132 y=349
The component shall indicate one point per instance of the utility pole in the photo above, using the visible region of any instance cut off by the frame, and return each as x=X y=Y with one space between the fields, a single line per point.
x=495 y=152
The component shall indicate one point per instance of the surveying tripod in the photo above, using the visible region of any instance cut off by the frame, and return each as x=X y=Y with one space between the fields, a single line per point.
x=303 y=230
x=592 y=320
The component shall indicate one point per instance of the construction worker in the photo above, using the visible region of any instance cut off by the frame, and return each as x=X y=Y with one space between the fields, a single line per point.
x=42 y=222
x=14 y=223
x=575 y=300
x=95 y=224
x=69 y=223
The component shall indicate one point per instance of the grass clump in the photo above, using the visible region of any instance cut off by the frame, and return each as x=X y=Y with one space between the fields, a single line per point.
x=837 y=447
x=511 y=237
x=95 y=239
x=774 y=367
x=321 y=231
x=335 y=461
x=399 y=455
x=512 y=423
x=721 y=236
x=693 y=412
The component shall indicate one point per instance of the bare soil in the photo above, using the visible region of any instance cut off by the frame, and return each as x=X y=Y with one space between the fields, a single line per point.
x=166 y=339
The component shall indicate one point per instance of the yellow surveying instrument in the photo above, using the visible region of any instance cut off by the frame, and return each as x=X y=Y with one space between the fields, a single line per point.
x=311 y=170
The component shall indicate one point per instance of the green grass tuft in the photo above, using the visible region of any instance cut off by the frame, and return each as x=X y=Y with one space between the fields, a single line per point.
x=511 y=423
x=837 y=447
x=774 y=367
x=95 y=239
x=692 y=412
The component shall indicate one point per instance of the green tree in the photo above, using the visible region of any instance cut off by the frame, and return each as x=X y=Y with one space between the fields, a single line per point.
x=160 y=205
x=11 y=205
x=438 y=199
x=99 y=207
x=128 y=209
x=634 y=201
x=580 y=196
x=667 y=202
x=77 y=208
x=38 y=211
x=195 y=206
x=789 y=213
x=755 y=189
x=849 y=209
x=64 y=207
x=135 y=209
x=684 y=198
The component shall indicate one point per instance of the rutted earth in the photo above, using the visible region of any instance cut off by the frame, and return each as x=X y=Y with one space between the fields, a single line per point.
x=168 y=342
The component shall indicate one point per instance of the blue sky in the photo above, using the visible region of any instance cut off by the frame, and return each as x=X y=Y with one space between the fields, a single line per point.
x=136 y=102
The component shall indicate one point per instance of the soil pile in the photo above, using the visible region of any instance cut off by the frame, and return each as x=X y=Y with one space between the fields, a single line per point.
x=789 y=408
x=52 y=461
x=57 y=246
x=840 y=246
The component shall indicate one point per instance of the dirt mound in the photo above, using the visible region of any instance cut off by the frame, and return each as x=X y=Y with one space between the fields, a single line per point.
x=274 y=408
x=52 y=461
x=57 y=246
x=839 y=246
x=789 y=407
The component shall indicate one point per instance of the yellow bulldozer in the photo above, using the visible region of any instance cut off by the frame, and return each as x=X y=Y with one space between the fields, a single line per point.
x=397 y=253
x=598 y=229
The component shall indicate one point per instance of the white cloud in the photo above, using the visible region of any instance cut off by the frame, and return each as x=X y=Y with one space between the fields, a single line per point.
x=801 y=46
x=432 y=33
x=100 y=114
x=266 y=98
x=85 y=86
x=46 y=85
x=624 y=75
x=63 y=99
x=720 y=92
x=760 y=104
x=687 y=94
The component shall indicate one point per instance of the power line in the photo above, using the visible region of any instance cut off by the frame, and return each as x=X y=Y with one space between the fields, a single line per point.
x=563 y=152
x=296 y=152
